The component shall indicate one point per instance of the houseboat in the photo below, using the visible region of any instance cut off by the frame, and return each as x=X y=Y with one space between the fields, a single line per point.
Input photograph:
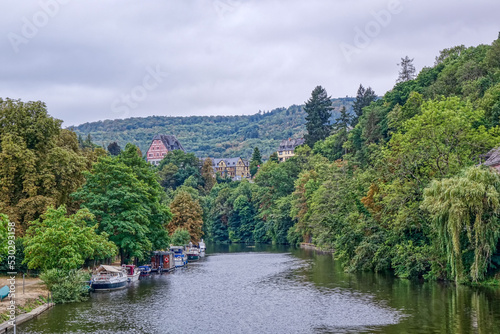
x=162 y=261
x=132 y=271
x=108 y=278
x=180 y=256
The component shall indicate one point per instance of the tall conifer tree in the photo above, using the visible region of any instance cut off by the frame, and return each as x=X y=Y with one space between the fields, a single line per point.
x=318 y=109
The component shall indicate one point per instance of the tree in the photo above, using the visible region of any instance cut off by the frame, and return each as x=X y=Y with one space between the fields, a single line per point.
x=4 y=220
x=363 y=99
x=208 y=175
x=180 y=237
x=57 y=241
x=274 y=157
x=318 y=109
x=187 y=214
x=465 y=210
x=255 y=162
x=121 y=204
x=114 y=148
x=159 y=213
x=407 y=71
x=40 y=164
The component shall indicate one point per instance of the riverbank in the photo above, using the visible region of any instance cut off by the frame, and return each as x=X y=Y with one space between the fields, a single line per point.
x=28 y=304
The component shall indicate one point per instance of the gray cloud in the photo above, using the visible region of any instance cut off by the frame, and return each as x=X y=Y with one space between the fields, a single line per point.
x=219 y=56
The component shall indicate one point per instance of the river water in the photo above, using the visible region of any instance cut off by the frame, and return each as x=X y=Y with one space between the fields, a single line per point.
x=266 y=289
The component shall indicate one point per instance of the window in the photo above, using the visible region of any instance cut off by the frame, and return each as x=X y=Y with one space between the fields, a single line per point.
x=164 y=154
x=150 y=154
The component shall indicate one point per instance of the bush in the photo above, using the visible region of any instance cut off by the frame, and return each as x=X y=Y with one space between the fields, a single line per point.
x=66 y=286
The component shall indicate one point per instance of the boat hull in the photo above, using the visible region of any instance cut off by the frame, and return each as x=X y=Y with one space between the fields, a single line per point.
x=107 y=286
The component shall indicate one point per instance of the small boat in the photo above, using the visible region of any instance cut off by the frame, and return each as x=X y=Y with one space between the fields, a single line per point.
x=132 y=271
x=108 y=278
x=202 y=246
x=180 y=257
x=145 y=270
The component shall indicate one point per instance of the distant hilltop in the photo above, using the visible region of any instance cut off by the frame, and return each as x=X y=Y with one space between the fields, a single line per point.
x=215 y=136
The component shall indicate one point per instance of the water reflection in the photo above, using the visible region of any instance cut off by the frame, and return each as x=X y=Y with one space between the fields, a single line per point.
x=242 y=289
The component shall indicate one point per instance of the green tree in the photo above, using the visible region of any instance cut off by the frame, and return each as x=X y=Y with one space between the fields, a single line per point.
x=159 y=213
x=465 y=213
x=255 y=162
x=121 y=205
x=114 y=148
x=176 y=167
x=318 y=109
x=274 y=157
x=363 y=99
x=180 y=237
x=4 y=221
x=57 y=241
x=187 y=214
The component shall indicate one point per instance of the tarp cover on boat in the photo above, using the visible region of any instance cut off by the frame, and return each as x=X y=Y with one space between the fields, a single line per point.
x=110 y=269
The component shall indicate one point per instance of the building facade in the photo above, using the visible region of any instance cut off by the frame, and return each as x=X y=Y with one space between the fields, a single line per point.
x=160 y=146
x=287 y=147
x=235 y=168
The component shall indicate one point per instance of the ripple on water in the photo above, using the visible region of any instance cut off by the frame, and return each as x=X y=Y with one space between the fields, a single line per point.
x=224 y=293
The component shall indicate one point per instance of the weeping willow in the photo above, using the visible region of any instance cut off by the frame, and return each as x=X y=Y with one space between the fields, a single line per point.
x=466 y=205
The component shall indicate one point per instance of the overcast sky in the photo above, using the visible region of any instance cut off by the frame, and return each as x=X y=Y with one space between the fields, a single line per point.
x=93 y=60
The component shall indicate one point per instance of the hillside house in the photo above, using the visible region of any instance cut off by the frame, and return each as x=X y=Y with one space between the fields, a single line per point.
x=492 y=159
x=287 y=147
x=160 y=146
x=235 y=168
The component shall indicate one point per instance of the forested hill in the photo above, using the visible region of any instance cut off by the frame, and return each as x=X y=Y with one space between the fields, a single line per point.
x=215 y=136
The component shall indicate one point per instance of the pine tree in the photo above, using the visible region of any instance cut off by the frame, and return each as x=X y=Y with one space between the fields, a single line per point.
x=255 y=162
x=407 y=71
x=343 y=121
x=363 y=99
x=318 y=109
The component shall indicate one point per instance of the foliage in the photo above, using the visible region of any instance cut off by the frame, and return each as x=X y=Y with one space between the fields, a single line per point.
x=255 y=162
x=121 y=205
x=318 y=109
x=4 y=221
x=363 y=99
x=114 y=148
x=40 y=164
x=208 y=175
x=180 y=237
x=465 y=213
x=187 y=214
x=57 y=241
x=66 y=286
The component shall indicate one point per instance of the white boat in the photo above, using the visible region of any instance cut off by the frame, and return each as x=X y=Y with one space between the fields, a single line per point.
x=202 y=246
x=107 y=278
x=132 y=271
x=180 y=257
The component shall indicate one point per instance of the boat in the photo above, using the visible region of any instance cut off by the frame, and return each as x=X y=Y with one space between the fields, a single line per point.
x=132 y=271
x=145 y=270
x=193 y=253
x=180 y=257
x=162 y=261
x=108 y=278
x=202 y=246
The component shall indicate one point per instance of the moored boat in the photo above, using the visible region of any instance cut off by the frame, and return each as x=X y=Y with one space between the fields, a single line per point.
x=108 y=278
x=132 y=271
x=193 y=253
x=145 y=270
x=202 y=246
x=162 y=261
x=180 y=257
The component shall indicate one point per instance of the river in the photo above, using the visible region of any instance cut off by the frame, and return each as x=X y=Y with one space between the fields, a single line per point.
x=269 y=289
